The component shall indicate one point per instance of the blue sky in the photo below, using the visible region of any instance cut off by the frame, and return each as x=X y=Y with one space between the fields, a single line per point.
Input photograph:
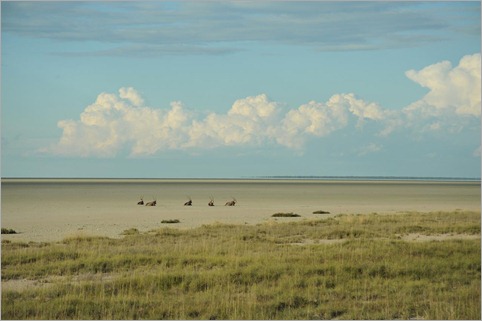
x=238 y=89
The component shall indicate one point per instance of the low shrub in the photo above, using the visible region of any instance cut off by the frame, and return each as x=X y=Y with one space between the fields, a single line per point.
x=285 y=215
x=321 y=212
x=8 y=231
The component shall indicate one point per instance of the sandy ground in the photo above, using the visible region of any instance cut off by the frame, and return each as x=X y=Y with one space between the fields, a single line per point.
x=50 y=211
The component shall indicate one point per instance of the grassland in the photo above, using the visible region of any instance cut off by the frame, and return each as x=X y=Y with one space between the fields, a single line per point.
x=346 y=267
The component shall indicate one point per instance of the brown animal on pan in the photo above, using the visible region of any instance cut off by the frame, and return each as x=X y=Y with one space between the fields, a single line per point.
x=188 y=203
x=231 y=203
x=153 y=203
x=211 y=202
x=141 y=202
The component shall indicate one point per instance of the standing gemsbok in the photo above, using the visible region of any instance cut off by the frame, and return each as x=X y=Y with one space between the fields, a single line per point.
x=153 y=203
x=211 y=201
x=231 y=203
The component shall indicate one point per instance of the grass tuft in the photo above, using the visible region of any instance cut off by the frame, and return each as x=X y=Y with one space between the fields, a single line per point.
x=131 y=231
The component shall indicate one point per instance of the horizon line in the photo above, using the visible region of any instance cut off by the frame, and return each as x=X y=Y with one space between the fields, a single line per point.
x=268 y=177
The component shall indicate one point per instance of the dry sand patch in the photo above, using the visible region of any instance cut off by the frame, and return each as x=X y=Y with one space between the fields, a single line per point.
x=416 y=237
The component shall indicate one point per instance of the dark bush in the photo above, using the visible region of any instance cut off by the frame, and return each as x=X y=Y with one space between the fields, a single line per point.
x=321 y=212
x=285 y=215
x=8 y=231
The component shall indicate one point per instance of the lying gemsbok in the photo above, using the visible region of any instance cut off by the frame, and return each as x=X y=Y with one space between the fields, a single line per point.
x=153 y=203
x=141 y=202
x=231 y=203
x=211 y=201
x=188 y=203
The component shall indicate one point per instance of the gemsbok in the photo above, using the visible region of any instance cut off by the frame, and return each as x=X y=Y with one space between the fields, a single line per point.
x=141 y=202
x=211 y=201
x=188 y=203
x=231 y=203
x=153 y=203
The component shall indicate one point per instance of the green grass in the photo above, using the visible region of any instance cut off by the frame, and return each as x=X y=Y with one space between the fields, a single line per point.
x=275 y=270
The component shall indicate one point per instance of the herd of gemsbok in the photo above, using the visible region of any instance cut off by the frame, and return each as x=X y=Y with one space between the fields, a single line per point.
x=188 y=203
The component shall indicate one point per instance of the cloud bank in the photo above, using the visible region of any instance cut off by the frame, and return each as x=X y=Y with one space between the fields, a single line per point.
x=212 y=27
x=120 y=122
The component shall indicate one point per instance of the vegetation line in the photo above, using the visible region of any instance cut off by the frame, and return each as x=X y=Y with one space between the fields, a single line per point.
x=348 y=267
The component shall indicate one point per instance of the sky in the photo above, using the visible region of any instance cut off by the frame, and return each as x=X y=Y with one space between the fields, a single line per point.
x=240 y=89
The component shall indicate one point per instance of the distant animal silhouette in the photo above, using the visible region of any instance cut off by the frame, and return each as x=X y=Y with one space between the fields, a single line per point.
x=141 y=202
x=188 y=203
x=231 y=203
x=211 y=201
x=153 y=203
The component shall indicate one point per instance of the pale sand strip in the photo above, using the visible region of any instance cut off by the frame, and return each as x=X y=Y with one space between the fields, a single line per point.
x=49 y=211
x=415 y=237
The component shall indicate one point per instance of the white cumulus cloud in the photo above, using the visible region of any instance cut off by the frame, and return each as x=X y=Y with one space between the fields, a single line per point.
x=122 y=123
x=132 y=95
x=249 y=121
x=311 y=119
x=452 y=89
x=116 y=122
